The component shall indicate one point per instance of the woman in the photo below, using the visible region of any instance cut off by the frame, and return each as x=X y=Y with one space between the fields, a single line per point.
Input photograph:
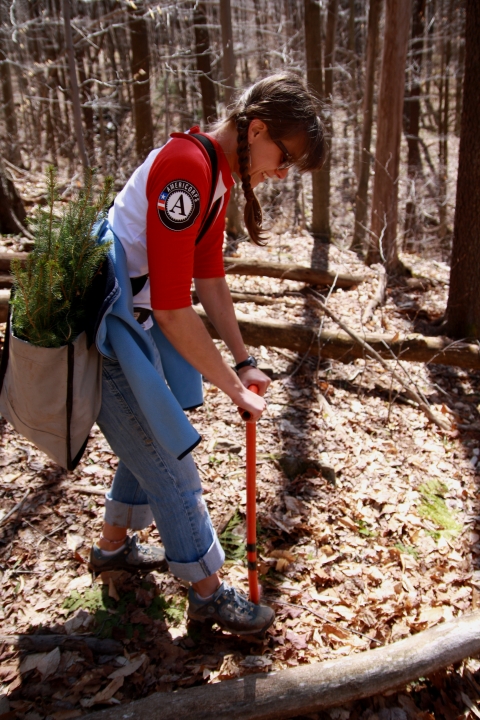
x=160 y=219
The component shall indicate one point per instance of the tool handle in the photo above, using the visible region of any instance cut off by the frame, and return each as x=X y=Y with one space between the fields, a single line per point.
x=251 y=463
x=244 y=413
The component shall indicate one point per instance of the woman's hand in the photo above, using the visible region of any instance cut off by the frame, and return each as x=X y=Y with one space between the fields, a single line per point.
x=252 y=403
x=253 y=376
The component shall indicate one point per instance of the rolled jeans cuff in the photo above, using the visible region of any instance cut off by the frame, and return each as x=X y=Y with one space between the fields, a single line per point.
x=200 y=569
x=125 y=515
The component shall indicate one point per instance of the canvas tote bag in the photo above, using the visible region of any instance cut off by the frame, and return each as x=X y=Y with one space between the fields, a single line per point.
x=52 y=396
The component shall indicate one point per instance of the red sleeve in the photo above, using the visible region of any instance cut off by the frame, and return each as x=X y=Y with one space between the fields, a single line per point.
x=178 y=191
x=208 y=260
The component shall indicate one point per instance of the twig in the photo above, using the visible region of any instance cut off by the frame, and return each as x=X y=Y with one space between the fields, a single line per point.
x=89 y=489
x=379 y=296
x=413 y=394
x=44 y=537
x=325 y=619
x=16 y=508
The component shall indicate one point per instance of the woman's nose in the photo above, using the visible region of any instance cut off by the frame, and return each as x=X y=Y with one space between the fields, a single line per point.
x=281 y=173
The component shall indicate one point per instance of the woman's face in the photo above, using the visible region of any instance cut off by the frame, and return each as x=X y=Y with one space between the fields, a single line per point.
x=266 y=157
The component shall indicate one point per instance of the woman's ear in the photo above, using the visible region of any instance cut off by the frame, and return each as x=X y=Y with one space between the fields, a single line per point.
x=256 y=129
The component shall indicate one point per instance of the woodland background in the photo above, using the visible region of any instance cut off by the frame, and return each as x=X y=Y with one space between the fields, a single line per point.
x=368 y=512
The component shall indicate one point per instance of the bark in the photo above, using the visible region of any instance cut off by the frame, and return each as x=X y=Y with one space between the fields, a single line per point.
x=463 y=307
x=234 y=266
x=12 y=211
x=46 y=643
x=361 y=200
x=313 y=53
x=413 y=110
x=12 y=147
x=140 y=68
x=383 y=245
x=72 y=67
x=321 y=180
x=228 y=58
x=202 y=50
x=340 y=346
x=319 y=686
x=443 y=122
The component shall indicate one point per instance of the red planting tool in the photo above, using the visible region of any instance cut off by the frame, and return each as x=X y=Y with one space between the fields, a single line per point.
x=251 y=429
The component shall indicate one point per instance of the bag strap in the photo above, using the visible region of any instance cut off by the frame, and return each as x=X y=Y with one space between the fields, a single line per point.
x=6 y=349
x=208 y=219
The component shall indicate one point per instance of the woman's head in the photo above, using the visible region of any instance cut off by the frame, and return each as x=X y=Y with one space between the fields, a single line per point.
x=277 y=126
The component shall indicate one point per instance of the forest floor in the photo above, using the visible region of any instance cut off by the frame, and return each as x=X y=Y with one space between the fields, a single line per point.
x=368 y=524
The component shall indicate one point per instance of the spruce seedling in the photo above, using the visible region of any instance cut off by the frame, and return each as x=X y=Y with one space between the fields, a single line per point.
x=50 y=292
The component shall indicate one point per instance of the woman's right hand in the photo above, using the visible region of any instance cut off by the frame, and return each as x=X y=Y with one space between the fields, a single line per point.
x=252 y=403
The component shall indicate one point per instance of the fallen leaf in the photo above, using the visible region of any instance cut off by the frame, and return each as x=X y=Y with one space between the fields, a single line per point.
x=129 y=668
x=49 y=664
x=82 y=581
x=74 y=541
x=298 y=641
x=112 y=590
x=103 y=696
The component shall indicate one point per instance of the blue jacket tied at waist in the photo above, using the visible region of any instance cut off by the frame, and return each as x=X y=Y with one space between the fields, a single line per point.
x=118 y=336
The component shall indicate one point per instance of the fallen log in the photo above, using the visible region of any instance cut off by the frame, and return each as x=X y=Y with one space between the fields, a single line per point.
x=336 y=345
x=310 y=276
x=234 y=266
x=311 y=688
x=46 y=643
x=7 y=257
x=339 y=346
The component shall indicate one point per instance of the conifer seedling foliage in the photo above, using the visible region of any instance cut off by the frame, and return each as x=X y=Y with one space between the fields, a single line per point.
x=50 y=292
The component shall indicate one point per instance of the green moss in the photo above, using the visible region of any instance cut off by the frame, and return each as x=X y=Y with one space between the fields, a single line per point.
x=232 y=543
x=434 y=508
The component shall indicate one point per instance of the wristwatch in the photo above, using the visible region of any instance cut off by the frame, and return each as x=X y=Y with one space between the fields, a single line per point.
x=250 y=361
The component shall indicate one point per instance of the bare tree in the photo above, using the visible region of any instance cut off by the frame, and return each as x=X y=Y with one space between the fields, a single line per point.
x=463 y=307
x=72 y=66
x=204 y=67
x=140 y=66
x=361 y=200
x=383 y=245
x=321 y=180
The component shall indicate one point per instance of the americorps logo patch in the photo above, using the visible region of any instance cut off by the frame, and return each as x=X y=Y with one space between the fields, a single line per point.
x=178 y=205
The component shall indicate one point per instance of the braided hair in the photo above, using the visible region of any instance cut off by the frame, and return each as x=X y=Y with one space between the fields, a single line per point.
x=289 y=109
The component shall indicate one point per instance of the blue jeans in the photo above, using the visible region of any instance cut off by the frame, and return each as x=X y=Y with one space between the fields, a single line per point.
x=152 y=484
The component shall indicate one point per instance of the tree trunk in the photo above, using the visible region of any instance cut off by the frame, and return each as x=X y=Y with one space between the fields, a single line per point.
x=140 y=67
x=361 y=201
x=383 y=242
x=12 y=148
x=202 y=50
x=228 y=58
x=321 y=179
x=412 y=104
x=463 y=307
x=443 y=122
x=72 y=66
x=12 y=211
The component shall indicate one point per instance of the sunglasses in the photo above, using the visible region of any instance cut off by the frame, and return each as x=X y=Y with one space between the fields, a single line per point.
x=288 y=159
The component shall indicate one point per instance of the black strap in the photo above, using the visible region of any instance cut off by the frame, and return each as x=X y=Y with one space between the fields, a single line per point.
x=6 y=347
x=138 y=283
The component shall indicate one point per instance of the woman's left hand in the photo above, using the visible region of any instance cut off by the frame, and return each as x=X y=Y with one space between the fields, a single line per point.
x=253 y=376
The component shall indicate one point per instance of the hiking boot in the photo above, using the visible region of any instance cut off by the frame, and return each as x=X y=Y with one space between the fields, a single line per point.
x=231 y=610
x=132 y=557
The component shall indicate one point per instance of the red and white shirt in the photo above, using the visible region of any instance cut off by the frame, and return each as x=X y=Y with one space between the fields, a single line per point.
x=158 y=215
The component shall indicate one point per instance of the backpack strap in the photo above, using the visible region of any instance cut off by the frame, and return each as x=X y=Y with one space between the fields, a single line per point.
x=209 y=216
